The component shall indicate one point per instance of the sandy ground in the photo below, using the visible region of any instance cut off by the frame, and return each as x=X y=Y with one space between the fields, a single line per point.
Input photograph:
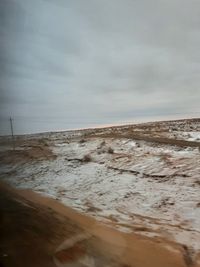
x=142 y=180
x=38 y=231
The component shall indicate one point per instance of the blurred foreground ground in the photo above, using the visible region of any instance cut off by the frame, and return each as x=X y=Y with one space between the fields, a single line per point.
x=38 y=231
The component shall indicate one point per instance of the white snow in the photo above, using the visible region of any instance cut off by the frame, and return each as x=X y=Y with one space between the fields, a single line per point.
x=156 y=186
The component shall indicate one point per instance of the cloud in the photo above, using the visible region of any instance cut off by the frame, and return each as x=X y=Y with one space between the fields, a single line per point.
x=94 y=62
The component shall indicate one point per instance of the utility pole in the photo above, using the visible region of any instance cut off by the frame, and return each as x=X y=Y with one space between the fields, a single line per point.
x=11 y=127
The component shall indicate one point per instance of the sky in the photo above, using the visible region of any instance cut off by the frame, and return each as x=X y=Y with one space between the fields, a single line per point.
x=67 y=64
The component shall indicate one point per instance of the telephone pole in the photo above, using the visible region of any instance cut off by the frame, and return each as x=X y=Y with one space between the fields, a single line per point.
x=11 y=127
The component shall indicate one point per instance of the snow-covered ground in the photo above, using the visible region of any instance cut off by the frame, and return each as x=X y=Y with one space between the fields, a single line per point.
x=139 y=186
x=188 y=136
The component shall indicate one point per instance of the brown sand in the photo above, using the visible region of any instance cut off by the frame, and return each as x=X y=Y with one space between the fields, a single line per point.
x=56 y=223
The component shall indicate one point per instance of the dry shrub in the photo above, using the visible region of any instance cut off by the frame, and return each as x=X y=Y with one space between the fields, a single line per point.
x=197 y=182
x=82 y=141
x=110 y=150
x=43 y=142
x=102 y=143
x=87 y=158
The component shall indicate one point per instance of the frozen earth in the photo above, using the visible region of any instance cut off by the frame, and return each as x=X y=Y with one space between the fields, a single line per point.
x=136 y=185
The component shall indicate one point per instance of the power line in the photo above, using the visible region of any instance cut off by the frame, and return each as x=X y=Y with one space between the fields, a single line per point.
x=12 y=132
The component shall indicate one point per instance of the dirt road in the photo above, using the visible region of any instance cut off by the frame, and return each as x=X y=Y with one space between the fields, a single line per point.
x=38 y=231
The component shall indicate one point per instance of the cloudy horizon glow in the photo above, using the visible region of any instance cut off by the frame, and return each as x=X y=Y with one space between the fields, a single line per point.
x=75 y=64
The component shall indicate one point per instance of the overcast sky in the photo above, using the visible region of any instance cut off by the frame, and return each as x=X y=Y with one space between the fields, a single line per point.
x=77 y=63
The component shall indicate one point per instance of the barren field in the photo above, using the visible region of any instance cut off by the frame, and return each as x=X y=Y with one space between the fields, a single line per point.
x=141 y=180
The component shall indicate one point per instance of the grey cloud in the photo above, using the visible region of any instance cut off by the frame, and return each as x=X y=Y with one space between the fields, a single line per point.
x=95 y=62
